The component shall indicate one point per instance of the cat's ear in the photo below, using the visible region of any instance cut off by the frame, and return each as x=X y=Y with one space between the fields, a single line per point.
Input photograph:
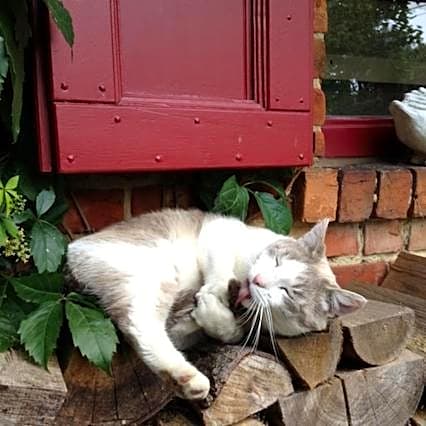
x=314 y=239
x=342 y=302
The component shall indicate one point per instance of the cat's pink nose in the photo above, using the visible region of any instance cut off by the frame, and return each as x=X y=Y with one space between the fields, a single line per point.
x=258 y=280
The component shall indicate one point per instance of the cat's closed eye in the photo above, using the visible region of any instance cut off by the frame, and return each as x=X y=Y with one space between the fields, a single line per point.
x=284 y=289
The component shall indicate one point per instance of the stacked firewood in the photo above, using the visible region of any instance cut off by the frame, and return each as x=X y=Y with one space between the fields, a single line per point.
x=358 y=372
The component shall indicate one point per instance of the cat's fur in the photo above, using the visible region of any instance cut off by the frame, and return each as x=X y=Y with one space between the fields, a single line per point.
x=140 y=267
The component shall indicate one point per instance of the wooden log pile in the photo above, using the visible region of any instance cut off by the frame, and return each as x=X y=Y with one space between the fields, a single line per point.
x=358 y=372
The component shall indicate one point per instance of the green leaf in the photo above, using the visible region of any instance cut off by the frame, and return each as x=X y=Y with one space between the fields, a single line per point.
x=8 y=332
x=10 y=227
x=3 y=235
x=8 y=203
x=57 y=211
x=40 y=330
x=22 y=27
x=232 y=199
x=12 y=183
x=4 y=65
x=39 y=288
x=24 y=216
x=44 y=201
x=93 y=334
x=84 y=299
x=276 y=213
x=275 y=185
x=62 y=19
x=47 y=246
x=16 y=63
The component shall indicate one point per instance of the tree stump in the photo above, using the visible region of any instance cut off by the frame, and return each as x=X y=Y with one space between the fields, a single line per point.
x=322 y=406
x=313 y=358
x=242 y=383
x=29 y=395
x=132 y=393
x=377 y=333
x=385 y=395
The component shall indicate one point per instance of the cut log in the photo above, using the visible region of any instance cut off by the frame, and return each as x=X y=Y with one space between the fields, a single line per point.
x=407 y=275
x=377 y=333
x=322 y=406
x=417 y=343
x=29 y=395
x=242 y=383
x=313 y=358
x=132 y=394
x=385 y=395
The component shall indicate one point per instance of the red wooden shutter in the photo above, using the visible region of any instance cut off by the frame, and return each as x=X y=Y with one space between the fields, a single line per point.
x=183 y=84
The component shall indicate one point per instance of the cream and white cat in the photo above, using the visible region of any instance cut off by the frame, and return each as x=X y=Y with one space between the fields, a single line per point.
x=140 y=267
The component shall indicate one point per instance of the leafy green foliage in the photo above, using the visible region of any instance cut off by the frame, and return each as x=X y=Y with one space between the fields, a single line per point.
x=39 y=288
x=15 y=32
x=62 y=19
x=233 y=200
x=40 y=330
x=275 y=212
x=4 y=64
x=92 y=333
x=47 y=246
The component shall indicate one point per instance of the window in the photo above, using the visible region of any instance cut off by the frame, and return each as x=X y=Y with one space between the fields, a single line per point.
x=376 y=51
x=179 y=85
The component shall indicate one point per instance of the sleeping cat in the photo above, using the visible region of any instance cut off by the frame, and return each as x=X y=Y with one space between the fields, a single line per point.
x=140 y=267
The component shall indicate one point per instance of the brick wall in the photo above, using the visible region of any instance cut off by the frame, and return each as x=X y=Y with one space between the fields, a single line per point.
x=377 y=210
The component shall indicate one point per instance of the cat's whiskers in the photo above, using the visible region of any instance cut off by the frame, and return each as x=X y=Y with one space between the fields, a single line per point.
x=256 y=310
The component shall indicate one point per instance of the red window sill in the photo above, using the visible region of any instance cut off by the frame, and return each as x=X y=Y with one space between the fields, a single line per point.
x=357 y=136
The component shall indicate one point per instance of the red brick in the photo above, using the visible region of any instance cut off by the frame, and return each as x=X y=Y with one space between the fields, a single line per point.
x=319 y=142
x=146 y=199
x=99 y=207
x=419 y=196
x=356 y=195
x=394 y=193
x=342 y=240
x=318 y=196
x=383 y=237
x=417 y=235
x=320 y=16
x=319 y=56
x=318 y=109
x=370 y=273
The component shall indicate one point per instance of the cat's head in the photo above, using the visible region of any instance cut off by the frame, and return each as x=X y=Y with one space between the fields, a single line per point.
x=292 y=280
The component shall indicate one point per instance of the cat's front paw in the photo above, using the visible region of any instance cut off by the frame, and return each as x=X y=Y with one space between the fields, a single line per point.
x=194 y=386
x=216 y=319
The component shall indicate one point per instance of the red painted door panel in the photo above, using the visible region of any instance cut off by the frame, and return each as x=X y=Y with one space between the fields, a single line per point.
x=183 y=84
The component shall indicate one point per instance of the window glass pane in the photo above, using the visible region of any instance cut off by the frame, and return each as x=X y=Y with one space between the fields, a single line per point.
x=376 y=51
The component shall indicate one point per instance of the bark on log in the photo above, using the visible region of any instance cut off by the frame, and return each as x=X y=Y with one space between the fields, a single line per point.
x=29 y=395
x=322 y=406
x=377 y=333
x=132 y=393
x=313 y=358
x=385 y=395
x=417 y=343
x=407 y=275
x=242 y=383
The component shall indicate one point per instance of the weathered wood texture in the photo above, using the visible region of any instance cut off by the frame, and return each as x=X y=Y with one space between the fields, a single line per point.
x=133 y=393
x=242 y=383
x=407 y=275
x=377 y=333
x=385 y=395
x=322 y=406
x=313 y=358
x=29 y=395
x=417 y=342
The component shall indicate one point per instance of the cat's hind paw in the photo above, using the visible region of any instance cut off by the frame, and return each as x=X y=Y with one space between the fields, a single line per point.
x=194 y=386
